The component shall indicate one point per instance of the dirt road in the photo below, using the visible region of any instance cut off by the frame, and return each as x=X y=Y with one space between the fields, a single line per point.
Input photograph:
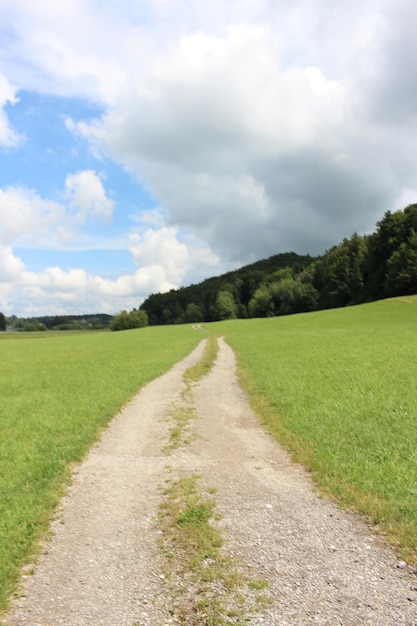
x=104 y=566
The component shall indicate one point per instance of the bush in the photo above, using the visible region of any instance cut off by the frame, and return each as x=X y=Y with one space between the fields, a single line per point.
x=125 y=320
x=33 y=328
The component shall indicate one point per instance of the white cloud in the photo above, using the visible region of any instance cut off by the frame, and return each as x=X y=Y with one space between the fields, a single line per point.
x=11 y=267
x=210 y=98
x=86 y=195
x=8 y=136
x=65 y=48
x=54 y=278
x=26 y=218
x=144 y=281
x=29 y=220
x=180 y=259
x=91 y=49
x=54 y=290
x=161 y=247
x=163 y=262
x=205 y=123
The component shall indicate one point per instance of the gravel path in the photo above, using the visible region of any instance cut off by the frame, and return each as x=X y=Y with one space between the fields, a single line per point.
x=103 y=566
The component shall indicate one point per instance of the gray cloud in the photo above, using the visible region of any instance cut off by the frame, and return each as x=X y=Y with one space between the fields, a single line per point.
x=257 y=150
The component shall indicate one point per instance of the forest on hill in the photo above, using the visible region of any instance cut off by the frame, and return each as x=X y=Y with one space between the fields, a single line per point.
x=359 y=269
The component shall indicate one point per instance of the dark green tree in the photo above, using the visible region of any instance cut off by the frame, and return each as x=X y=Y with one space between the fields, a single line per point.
x=401 y=275
x=339 y=274
x=284 y=297
x=292 y=296
x=193 y=313
x=2 y=322
x=382 y=261
x=226 y=308
x=262 y=304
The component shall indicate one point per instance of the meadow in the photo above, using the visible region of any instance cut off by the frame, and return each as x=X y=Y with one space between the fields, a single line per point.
x=58 y=391
x=337 y=387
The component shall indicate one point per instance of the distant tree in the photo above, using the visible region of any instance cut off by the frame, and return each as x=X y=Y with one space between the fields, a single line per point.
x=401 y=275
x=284 y=297
x=2 y=322
x=61 y=322
x=17 y=322
x=339 y=274
x=178 y=312
x=138 y=319
x=166 y=316
x=262 y=304
x=33 y=327
x=120 y=321
x=126 y=321
x=226 y=308
x=276 y=277
x=292 y=296
x=386 y=251
x=193 y=313
x=71 y=325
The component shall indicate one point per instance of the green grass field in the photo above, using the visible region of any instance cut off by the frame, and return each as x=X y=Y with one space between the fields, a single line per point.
x=339 y=389
x=57 y=393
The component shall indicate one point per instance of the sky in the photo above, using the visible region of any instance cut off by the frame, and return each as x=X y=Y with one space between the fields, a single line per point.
x=150 y=144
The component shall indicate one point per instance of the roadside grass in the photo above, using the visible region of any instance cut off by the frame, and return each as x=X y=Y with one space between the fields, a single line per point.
x=58 y=391
x=338 y=389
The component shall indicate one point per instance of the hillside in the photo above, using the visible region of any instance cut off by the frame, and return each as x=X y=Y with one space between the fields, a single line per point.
x=221 y=297
x=359 y=269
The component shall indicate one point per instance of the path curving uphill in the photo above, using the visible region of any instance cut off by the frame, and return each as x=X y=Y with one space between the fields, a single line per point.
x=104 y=565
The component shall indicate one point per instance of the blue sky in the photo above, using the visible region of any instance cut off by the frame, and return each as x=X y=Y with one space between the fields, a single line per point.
x=153 y=144
x=47 y=154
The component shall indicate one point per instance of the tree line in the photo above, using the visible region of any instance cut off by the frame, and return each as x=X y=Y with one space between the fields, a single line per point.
x=96 y=321
x=357 y=270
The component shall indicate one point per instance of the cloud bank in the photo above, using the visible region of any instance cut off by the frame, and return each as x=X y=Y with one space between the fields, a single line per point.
x=257 y=127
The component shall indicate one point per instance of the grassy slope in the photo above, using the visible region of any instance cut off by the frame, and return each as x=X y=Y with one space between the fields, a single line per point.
x=57 y=392
x=338 y=388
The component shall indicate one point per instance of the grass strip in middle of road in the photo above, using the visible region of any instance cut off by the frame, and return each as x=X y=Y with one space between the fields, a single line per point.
x=199 y=370
x=182 y=413
x=203 y=579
